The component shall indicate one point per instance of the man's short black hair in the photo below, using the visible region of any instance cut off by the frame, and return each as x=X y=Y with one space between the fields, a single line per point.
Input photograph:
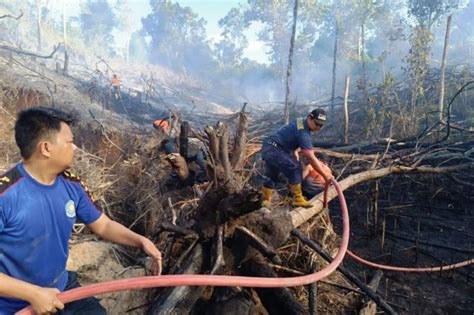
x=37 y=123
x=319 y=116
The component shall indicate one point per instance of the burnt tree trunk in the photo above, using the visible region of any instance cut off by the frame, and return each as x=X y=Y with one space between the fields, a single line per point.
x=38 y=24
x=238 y=151
x=443 y=68
x=334 y=67
x=290 y=63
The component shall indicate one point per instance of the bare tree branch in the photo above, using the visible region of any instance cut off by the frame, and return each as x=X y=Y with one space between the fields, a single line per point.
x=11 y=16
x=28 y=53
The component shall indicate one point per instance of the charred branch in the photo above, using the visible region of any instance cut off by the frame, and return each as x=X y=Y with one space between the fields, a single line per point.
x=238 y=151
x=29 y=53
x=178 y=300
x=349 y=275
x=224 y=152
x=275 y=301
x=369 y=307
x=11 y=16
x=259 y=244
x=213 y=144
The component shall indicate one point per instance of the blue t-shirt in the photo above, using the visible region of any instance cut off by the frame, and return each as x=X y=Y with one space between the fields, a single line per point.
x=35 y=225
x=294 y=135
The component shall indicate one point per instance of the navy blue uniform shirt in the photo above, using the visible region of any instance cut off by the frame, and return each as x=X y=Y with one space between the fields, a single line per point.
x=294 y=135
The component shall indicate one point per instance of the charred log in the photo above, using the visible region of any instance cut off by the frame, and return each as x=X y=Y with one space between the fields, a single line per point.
x=278 y=300
x=29 y=53
x=11 y=16
x=179 y=300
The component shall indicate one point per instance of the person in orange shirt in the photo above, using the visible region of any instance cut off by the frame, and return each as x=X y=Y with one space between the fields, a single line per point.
x=163 y=125
x=313 y=182
x=115 y=83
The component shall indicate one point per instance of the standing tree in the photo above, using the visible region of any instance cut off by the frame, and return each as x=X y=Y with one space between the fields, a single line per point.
x=97 y=21
x=275 y=19
x=443 y=68
x=38 y=23
x=425 y=14
x=178 y=37
x=229 y=49
x=334 y=64
x=290 y=62
x=66 y=57
x=123 y=13
x=365 y=11
x=139 y=51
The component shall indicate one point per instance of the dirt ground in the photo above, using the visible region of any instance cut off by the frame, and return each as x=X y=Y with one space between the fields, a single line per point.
x=94 y=261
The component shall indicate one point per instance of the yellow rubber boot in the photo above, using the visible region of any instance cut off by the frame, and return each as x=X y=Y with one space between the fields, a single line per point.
x=267 y=197
x=298 y=199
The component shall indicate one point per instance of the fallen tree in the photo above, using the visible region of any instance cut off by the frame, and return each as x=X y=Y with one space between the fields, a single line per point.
x=236 y=236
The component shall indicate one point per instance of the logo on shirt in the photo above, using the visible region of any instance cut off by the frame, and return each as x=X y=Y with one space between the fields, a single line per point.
x=70 y=209
x=299 y=123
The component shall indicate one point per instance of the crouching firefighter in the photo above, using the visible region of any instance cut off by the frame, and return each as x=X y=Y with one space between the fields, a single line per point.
x=278 y=152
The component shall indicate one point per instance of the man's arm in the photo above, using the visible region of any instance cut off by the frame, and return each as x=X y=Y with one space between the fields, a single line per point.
x=117 y=233
x=317 y=165
x=306 y=171
x=43 y=300
x=296 y=153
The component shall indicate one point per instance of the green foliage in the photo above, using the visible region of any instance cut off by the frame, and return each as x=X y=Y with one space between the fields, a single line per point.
x=97 y=21
x=178 y=36
x=229 y=50
x=139 y=49
x=419 y=56
x=428 y=12
x=276 y=17
x=425 y=13
x=19 y=32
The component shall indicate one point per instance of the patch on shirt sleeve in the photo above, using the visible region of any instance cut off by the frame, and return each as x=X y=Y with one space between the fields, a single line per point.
x=299 y=123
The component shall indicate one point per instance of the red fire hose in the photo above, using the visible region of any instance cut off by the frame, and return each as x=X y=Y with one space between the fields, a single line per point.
x=211 y=280
x=396 y=268
x=408 y=269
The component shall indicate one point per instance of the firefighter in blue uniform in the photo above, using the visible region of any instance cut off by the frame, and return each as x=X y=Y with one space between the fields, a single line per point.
x=39 y=203
x=278 y=152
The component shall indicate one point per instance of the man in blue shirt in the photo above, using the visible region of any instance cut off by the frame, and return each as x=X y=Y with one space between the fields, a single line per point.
x=39 y=203
x=279 y=154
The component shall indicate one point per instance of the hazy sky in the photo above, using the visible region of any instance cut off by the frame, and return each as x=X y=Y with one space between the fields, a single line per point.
x=211 y=10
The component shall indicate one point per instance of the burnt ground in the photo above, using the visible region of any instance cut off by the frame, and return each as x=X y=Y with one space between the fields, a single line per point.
x=428 y=222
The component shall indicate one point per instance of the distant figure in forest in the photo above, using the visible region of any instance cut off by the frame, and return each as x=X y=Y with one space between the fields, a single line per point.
x=115 y=83
x=40 y=201
x=278 y=152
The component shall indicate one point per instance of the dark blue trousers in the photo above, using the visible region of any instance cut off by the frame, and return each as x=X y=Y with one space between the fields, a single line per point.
x=279 y=161
x=310 y=188
x=87 y=306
